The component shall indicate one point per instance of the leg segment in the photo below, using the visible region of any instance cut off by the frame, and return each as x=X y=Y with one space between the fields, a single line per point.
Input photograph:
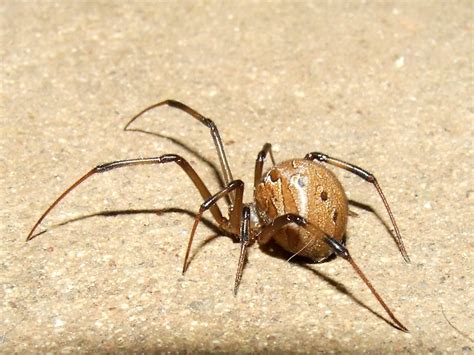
x=168 y=158
x=232 y=225
x=262 y=237
x=281 y=221
x=244 y=242
x=278 y=223
x=342 y=251
x=207 y=122
x=323 y=158
x=267 y=149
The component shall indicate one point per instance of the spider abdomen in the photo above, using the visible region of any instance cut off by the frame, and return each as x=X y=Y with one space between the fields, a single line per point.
x=308 y=189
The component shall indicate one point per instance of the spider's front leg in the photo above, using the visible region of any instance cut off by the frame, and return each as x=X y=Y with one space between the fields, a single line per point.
x=205 y=121
x=167 y=158
x=246 y=216
x=230 y=225
x=244 y=242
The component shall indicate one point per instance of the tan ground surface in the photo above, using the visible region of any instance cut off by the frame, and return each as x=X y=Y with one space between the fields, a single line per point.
x=387 y=86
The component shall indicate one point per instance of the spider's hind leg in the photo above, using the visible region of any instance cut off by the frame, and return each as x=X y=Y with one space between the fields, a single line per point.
x=369 y=177
x=342 y=252
x=267 y=149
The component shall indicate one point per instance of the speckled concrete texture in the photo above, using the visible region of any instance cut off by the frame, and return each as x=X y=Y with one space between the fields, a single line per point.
x=385 y=85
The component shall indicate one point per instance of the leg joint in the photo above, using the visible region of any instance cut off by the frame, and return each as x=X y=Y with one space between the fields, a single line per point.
x=317 y=156
x=338 y=248
x=234 y=184
x=261 y=156
x=299 y=220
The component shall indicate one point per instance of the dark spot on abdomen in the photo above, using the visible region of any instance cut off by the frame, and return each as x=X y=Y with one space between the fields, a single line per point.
x=324 y=195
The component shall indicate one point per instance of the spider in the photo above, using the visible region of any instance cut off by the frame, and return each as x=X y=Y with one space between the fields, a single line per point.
x=299 y=203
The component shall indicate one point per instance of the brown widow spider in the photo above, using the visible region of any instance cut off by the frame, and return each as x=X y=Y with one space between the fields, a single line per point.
x=299 y=203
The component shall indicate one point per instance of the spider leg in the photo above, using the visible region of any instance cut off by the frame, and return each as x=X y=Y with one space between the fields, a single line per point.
x=262 y=237
x=369 y=177
x=267 y=149
x=244 y=242
x=167 y=158
x=342 y=251
x=232 y=225
x=265 y=235
x=204 y=120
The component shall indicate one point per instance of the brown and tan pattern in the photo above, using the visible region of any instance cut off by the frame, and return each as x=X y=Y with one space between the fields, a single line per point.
x=308 y=189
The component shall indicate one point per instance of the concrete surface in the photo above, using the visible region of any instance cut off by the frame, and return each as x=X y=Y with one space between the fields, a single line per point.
x=385 y=85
